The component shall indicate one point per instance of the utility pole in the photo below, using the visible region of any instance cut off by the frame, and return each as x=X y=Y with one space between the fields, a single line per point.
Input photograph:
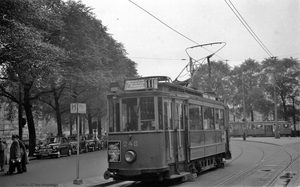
x=244 y=110
x=277 y=135
x=20 y=113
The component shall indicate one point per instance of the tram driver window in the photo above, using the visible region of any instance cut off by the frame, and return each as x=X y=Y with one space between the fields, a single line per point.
x=221 y=119
x=129 y=114
x=217 y=116
x=114 y=116
x=208 y=118
x=147 y=113
x=195 y=117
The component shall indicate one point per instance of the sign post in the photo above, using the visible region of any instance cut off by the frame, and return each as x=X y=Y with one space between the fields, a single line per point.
x=77 y=108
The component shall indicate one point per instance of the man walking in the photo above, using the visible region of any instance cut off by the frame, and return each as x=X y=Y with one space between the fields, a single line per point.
x=2 y=156
x=15 y=156
x=23 y=154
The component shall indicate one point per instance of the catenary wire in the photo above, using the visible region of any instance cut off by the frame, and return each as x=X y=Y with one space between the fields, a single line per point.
x=170 y=27
x=251 y=29
x=242 y=20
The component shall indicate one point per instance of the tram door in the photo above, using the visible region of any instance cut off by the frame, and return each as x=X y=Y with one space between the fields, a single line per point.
x=179 y=129
x=169 y=130
x=269 y=130
x=174 y=130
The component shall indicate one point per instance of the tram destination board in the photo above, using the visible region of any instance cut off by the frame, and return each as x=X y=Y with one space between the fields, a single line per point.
x=140 y=84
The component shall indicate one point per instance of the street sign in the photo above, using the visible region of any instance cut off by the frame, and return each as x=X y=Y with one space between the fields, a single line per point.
x=73 y=108
x=78 y=108
x=81 y=108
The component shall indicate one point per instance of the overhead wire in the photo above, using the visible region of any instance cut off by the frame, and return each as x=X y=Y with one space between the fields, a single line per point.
x=246 y=25
x=170 y=27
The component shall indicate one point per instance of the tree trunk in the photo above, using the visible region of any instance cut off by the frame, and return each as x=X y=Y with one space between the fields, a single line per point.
x=58 y=115
x=89 y=118
x=30 y=121
x=99 y=127
x=71 y=124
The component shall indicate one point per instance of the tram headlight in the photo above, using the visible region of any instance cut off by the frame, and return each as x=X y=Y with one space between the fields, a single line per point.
x=130 y=156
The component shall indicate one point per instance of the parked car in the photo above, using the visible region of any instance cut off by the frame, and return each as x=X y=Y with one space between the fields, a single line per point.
x=54 y=147
x=93 y=142
x=82 y=144
x=103 y=140
x=26 y=142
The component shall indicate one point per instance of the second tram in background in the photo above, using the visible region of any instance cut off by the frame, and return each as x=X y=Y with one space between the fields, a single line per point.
x=260 y=128
x=161 y=130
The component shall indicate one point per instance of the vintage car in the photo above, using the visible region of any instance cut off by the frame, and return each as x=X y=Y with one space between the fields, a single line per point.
x=93 y=142
x=103 y=139
x=82 y=144
x=54 y=147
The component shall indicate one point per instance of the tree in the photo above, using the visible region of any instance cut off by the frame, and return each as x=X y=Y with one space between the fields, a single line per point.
x=57 y=52
x=217 y=82
x=25 y=57
x=283 y=75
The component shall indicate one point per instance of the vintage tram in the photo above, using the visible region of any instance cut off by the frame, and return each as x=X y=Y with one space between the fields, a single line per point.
x=160 y=130
x=260 y=128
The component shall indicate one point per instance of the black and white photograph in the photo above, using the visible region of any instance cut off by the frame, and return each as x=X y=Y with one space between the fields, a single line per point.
x=149 y=93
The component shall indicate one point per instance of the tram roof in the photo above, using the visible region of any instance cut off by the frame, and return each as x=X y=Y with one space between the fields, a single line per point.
x=164 y=84
x=159 y=78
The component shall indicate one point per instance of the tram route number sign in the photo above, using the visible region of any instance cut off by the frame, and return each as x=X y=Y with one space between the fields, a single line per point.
x=79 y=108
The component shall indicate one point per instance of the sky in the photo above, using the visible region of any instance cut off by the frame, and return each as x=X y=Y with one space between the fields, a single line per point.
x=156 y=33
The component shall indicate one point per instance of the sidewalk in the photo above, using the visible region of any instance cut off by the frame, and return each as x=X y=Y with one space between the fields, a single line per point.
x=94 y=181
x=295 y=181
x=271 y=140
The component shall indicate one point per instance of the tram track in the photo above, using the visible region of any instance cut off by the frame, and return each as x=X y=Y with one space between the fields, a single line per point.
x=259 y=165
x=243 y=172
x=285 y=176
x=239 y=155
x=270 y=172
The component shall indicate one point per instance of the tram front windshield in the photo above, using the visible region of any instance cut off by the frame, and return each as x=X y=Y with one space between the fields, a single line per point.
x=134 y=114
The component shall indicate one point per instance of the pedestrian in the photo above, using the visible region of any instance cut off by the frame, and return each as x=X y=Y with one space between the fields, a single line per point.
x=15 y=156
x=24 y=158
x=2 y=156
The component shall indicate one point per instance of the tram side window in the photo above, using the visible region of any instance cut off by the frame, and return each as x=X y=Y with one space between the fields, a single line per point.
x=160 y=114
x=179 y=116
x=221 y=119
x=167 y=115
x=147 y=113
x=208 y=118
x=129 y=114
x=195 y=115
x=259 y=126
x=217 y=115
